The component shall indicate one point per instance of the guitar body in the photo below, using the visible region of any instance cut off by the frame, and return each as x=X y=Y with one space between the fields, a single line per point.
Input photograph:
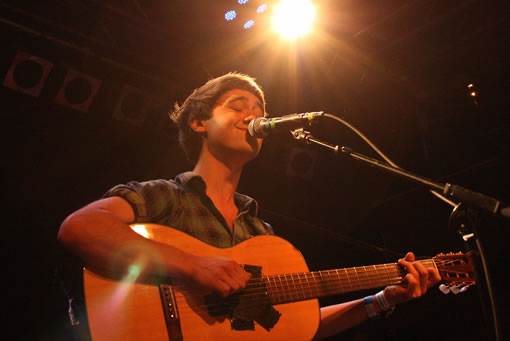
x=121 y=310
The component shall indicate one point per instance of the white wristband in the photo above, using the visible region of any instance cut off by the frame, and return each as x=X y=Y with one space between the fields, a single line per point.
x=383 y=303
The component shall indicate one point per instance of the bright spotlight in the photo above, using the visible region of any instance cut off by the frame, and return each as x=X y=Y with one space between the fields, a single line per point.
x=293 y=18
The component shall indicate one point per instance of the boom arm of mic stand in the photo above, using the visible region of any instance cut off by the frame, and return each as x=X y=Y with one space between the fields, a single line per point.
x=454 y=191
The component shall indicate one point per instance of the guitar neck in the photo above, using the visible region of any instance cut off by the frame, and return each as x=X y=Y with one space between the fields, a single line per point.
x=308 y=285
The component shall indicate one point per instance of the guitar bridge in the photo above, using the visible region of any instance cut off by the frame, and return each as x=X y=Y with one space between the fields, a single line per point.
x=173 y=323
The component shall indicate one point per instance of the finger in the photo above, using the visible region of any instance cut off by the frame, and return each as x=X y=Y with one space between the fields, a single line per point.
x=240 y=275
x=434 y=276
x=234 y=276
x=410 y=257
x=423 y=276
x=221 y=288
x=412 y=279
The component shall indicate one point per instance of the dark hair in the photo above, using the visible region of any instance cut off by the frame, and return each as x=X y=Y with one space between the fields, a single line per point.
x=200 y=104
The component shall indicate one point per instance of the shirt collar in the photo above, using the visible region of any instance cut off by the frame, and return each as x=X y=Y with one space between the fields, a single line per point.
x=194 y=182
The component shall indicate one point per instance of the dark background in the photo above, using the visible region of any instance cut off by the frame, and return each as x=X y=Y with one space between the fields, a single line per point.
x=398 y=70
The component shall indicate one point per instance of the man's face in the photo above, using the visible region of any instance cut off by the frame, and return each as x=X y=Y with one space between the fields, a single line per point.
x=227 y=129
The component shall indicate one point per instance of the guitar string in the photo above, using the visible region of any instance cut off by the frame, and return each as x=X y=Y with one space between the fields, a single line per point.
x=252 y=302
x=322 y=278
x=254 y=298
x=298 y=290
x=221 y=307
x=317 y=279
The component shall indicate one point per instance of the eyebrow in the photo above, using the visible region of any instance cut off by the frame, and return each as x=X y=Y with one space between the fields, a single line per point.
x=245 y=99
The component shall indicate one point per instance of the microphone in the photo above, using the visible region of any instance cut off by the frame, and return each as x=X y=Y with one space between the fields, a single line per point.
x=262 y=127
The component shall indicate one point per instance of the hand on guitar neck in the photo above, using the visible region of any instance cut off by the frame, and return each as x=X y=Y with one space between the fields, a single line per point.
x=416 y=282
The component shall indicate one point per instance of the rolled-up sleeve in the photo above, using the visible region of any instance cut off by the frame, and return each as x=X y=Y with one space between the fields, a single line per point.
x=150 y=200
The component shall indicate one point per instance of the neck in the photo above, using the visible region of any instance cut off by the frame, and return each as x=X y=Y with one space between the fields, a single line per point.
x=221 y=178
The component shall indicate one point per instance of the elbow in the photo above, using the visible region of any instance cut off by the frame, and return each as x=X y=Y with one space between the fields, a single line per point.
x=63 y=235
x=68 y=233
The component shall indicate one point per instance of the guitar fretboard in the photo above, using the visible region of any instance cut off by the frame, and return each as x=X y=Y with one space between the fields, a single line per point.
x=295 y=287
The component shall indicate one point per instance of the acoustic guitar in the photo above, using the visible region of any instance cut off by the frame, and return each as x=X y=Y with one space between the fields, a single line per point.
x=279 y=302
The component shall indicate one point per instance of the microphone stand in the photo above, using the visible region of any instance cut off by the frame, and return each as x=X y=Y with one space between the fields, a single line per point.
x=464 y=217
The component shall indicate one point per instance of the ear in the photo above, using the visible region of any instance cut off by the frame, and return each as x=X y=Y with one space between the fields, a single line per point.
x=197 y=125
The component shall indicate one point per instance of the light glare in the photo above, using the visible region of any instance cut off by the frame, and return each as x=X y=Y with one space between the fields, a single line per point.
x=293 y=18
x=141 y=230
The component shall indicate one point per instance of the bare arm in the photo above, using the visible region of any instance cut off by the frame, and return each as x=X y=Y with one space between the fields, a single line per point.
x=100 y=235
x=340 y=317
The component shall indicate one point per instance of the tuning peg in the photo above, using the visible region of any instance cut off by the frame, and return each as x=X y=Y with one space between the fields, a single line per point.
x=464 y=288
x=444 y=289
x=455 y=289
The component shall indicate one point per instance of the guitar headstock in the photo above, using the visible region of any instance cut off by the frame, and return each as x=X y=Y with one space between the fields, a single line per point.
x=456 y=270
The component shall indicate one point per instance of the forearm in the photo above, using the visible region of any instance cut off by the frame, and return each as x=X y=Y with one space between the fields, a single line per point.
x=106 y=243
x=341 y=317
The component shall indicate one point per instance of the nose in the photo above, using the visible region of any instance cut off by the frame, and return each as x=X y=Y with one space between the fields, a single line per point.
x=247 y=119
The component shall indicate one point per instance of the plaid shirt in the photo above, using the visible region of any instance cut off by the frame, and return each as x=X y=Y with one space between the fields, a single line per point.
x=184 y=205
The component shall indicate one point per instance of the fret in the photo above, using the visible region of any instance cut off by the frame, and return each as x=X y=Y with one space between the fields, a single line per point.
x=317 y=282
x=270 y=292
x=292 y=288
x=357 y=278
x=321 y=284
x=341 y=288
x=304 y=294
x=306 y=286
x=279 y=293
x=290 y=291
x=371 y=276
x=387 y=273
x=283 y=291
x=332 y=283
x=325 y=282
x=347 y=280
x=313 y=286
x=364 y=278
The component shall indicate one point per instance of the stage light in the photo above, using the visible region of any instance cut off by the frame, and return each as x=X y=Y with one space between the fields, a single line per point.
x=301 y=162
x=27 y=74
x=242 y=2
x=470 y=85
x=230 y=15
x=78 y=90
x=473 y=93
x=132 y=106
x=261 y=8
x=293 y=18
x=248 y=24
